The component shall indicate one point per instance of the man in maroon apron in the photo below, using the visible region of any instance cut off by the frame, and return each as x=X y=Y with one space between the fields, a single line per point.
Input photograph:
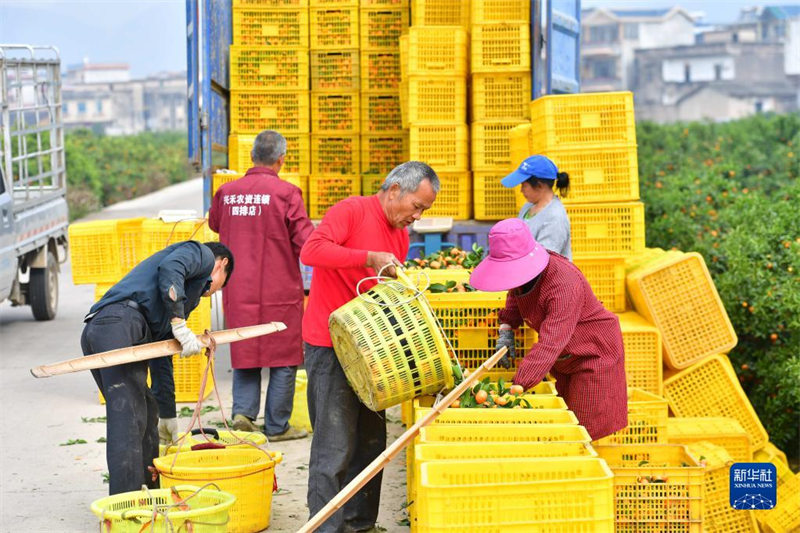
x=263 y=220
x=580 y=341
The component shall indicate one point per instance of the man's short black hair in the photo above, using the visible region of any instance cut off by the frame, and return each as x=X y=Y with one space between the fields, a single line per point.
x=221 y=251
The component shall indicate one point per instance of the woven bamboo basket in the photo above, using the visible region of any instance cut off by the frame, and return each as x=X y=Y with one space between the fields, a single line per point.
x=390 y=346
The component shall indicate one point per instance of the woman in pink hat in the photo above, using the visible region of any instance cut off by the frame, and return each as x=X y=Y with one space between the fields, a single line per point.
x=580 y=342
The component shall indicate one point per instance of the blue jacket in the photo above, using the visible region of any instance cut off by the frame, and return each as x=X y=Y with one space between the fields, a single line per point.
x=186 y=267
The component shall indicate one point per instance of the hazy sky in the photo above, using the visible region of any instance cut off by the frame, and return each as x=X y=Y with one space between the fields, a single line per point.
x=150 y=34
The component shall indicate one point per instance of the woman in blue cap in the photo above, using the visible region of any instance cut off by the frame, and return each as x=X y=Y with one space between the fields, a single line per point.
x=543 y=213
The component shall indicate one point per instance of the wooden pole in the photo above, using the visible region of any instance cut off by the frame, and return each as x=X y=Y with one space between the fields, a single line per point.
x=404 y=440
x=152 y=350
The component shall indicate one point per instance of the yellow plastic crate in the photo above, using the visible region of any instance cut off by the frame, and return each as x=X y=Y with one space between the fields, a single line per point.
x=335 y=155
x=711 y=388
x=469 y=321
x=771 y=454
x=383 y=3
x=218 y=179
x=422 y=277
x=544 y=405
x=292 y=4
x=103 y=251
x=254 y=112
x=718 y=515
x=333 y=3
x=503 y=433
x=437 y=99
x=492 y=200
x=520 y=147
x=255 y=26
x=335 y=70
x=333 y=28
x=371 y=183
x=563 y=493
x=454 y=198
x=380 y=112
x=642 y=341
x=647 y=421
x=381 y=27
x=445 y=147
x=583 y=120
x=440 y=13
x=381 y=153
x=437 y=50
x=785 y=517
x=256 y=68
x=724 y=432
x=674 y=504
x=490 y=145
x=298 y=153
x=501 y=47
x=484 y=11
x=607 y=279
x=335 y=112
x=677 y=294
x=157 y=234
x=598 y=174
x=380 y=70
x=325 y=191
x=221 y=178
x=606 y=230
x=458 y=416
x=503 y=96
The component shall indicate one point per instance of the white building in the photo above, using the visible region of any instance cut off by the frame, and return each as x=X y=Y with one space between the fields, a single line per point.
x=610 y=37
x=104 y=98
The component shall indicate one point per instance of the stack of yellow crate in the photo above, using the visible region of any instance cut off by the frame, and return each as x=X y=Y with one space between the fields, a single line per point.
x=383 y=143
x=473 y=469
x=335 y=79
x=269 y=80
x=500 y=61
x=434 y=96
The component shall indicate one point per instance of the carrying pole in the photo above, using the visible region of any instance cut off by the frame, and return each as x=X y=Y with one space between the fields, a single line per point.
x=397 y=446
x=143 y=352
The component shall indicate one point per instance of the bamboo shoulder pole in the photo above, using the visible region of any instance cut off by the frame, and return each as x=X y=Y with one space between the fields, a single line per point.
x=151 y=350
x=404 y=440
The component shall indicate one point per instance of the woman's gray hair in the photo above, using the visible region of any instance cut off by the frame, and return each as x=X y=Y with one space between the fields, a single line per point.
x=268 y=147
x=409 y=175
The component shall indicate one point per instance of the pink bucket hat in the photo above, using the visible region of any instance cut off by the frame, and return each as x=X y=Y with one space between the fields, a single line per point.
x=514 y=258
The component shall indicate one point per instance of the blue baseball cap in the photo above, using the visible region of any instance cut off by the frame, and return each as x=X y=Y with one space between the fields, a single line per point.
x=536 y=166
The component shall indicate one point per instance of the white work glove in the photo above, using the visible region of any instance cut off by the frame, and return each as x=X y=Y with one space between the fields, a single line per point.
x=167 y=430
x=505 y=337
x=189 y=343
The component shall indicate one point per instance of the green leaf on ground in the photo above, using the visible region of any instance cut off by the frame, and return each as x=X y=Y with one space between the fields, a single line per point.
x=70 y=442
x=101 y=439
x=94 y=419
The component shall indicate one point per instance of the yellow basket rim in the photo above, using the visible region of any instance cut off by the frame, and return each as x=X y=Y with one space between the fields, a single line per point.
x=164 y=464
x=226 y=501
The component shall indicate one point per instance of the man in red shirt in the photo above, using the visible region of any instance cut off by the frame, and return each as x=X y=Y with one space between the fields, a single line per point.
x=263 y=218
x=356 y=238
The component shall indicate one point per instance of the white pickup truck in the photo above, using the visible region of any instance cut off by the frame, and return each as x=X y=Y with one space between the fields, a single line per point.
x=33 y=179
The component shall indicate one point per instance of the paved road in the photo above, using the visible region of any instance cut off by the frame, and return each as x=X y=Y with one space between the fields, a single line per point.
x=47 y=486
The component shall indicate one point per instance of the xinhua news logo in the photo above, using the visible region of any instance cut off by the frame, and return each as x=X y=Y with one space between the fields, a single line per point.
x=753 y=486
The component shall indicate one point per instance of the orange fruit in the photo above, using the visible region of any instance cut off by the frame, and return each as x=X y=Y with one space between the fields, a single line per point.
x=516 y=390
x=481 y=396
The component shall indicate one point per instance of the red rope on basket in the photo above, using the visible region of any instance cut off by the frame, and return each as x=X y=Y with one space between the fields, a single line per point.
x=209 y=370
